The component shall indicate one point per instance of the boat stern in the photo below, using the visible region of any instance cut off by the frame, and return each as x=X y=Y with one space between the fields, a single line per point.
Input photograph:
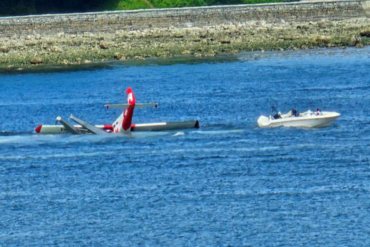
x=263 y=121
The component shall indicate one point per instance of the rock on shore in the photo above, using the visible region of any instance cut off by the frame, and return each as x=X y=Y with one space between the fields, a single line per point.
x=87 y=47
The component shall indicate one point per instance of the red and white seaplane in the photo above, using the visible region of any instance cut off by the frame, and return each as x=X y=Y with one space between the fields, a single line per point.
x=123 y=124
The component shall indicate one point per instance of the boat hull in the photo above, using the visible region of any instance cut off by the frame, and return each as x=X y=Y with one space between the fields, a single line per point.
x=313 y=121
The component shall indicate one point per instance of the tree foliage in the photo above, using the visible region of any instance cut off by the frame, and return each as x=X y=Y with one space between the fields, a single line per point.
x=178 y=3
x=26 y=7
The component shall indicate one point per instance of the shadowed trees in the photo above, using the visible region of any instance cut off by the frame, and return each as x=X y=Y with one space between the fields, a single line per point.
x=26 y=7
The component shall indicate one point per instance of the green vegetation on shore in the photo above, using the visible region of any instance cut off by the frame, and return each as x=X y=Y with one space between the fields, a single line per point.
x=26 y=7
x=145 y=4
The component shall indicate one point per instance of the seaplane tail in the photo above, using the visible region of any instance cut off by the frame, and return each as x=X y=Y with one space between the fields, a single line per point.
x=124 y=121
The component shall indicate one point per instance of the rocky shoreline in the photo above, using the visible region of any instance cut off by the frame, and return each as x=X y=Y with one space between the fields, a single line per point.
x=88 y=47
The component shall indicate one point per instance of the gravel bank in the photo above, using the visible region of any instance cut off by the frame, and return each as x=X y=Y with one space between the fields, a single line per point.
x=97 y=47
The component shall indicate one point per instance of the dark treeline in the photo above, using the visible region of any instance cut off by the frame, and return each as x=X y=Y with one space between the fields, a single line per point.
x=27 y=7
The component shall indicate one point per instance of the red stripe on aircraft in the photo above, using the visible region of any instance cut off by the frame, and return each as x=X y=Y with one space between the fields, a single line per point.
x=108 y=127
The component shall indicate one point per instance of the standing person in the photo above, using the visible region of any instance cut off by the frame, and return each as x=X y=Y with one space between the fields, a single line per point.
x=295 y=113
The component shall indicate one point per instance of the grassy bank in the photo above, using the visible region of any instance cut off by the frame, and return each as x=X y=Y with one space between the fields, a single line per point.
x=146 y=4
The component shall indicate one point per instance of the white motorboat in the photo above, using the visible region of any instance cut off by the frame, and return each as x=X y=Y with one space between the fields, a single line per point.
x=308 y=119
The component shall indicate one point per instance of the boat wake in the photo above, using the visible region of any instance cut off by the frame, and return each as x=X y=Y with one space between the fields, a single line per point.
x=179 y=134
x=33 y=139
x=219 y=132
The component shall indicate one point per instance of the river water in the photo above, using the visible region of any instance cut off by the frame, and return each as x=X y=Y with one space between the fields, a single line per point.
x=228 y=183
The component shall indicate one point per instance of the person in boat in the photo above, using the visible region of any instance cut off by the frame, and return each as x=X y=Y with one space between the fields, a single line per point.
x=291 y=113
x=295 y=112
x=318 y=111
x=277 y=115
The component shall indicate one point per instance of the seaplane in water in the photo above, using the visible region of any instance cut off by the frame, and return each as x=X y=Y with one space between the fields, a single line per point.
x=123 y=124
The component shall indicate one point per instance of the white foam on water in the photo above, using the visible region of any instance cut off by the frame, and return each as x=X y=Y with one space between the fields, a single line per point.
x=218 y=132
x=220 y=150
x=37 y=139
x=55 y=156
x=179 y=134
x=148 y=134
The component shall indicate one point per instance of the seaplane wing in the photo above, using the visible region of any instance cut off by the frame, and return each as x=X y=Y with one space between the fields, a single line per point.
x=88 y=126
x=68 y=127
x=124 y=106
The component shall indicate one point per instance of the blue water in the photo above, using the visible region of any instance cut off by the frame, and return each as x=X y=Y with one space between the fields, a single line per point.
x=228 y=183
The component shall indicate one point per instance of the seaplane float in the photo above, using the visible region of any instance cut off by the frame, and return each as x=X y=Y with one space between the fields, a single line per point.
x=123 y=124
x=308 y=119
